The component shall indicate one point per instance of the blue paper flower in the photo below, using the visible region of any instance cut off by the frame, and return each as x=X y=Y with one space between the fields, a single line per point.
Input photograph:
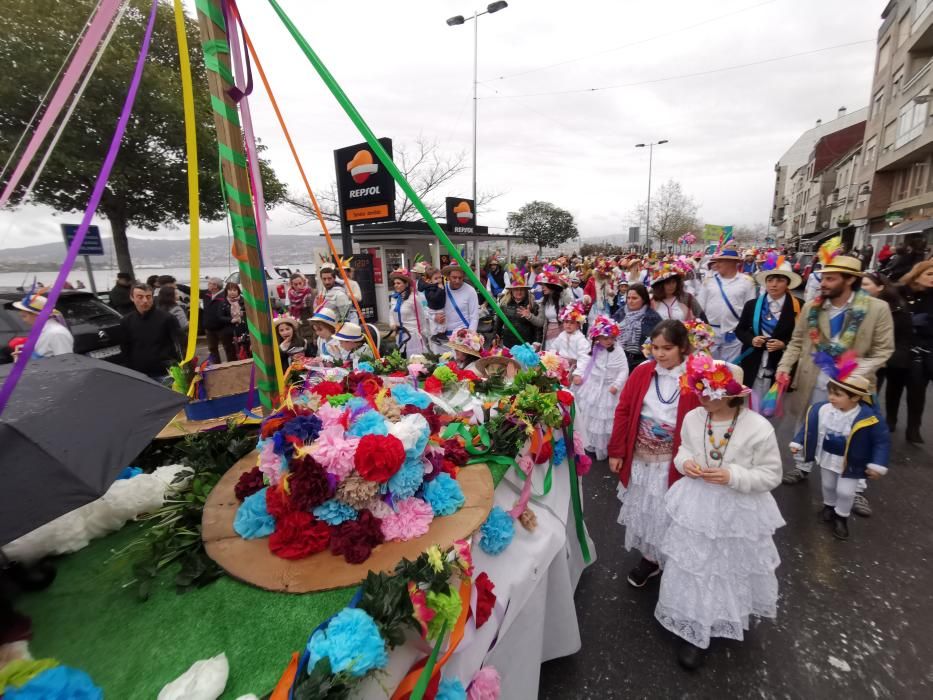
x=305 y=428
x=59 y=683
x=281 y=446
x=351 y=642
x=358 y=402
x=497 y=532
x=409 y=396
x=365 y=367
x=334 y=512
x=417 y=450
x=525 y=355
x=444 y=495
x=407 y=480
x=129 y=473
x=450 y=689
x=560 y=451
x=252 y=517
x=369 y=423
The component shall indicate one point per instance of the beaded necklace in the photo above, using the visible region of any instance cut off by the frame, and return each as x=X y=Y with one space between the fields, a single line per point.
x=672 y=398
x=718 y=451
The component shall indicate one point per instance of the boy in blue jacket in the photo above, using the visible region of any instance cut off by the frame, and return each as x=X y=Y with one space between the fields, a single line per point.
x=849 y=441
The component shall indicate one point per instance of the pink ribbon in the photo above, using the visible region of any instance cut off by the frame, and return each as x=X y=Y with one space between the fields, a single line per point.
x=13 y=378
x=527 y=465
x=92 y=38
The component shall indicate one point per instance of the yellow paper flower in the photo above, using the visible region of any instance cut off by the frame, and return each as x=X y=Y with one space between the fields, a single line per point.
x=435 y=558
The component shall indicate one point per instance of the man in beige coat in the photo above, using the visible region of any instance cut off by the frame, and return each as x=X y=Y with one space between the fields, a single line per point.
x=839 y=298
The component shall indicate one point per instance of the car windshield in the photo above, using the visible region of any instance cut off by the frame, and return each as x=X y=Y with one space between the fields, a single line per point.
x=85 y=309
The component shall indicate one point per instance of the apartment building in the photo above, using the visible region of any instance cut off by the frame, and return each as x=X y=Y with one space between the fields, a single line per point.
x=895 y=174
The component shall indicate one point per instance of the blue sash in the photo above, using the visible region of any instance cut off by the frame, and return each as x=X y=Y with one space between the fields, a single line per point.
x=496 y=289
x=837 y=323
x=726 y=298
x=456 y=306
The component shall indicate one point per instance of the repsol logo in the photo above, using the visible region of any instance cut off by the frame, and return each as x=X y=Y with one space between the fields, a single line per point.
x=364 y=192
x=463 y=229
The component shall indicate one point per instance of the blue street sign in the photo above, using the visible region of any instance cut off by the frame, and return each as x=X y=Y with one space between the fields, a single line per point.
x=92 y=244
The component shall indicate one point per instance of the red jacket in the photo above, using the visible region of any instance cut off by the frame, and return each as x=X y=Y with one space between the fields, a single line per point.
x=628 y=414
x=590 y=290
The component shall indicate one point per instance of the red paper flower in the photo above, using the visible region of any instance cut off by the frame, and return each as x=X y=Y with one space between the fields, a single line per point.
x=455 y=452
x=433 y=385
x=449 y=467
x=308 y=486
x=565 y=397
x=328 y=389
x=363 y=383
x=355 y=539
x=485 y=599
x=378 y=457
x=399 y=373
x=298 y=535
x=277 y=502
x=249 y=483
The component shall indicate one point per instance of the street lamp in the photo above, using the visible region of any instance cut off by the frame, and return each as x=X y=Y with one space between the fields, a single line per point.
x=650 y=147
x=460 y=19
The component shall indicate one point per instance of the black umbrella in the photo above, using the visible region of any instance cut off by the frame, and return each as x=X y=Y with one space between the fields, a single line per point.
x=72 y=424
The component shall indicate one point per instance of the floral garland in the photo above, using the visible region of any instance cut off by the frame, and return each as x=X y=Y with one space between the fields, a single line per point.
x=847 y=337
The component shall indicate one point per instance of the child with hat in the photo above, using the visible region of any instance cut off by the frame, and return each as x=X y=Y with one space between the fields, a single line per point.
x=352 y=345
x=846 y=437
x=324 y=325
x=571 y=344
x=599 y=376
x=292 y=347
x=718 y=549
x=468 y=348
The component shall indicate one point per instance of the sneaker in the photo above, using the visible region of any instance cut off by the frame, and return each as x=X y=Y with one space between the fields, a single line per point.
x=645 y=570
x=690 y=656
x=841 y=528
x=828 y=514
x=795 y=476
x=861 y=506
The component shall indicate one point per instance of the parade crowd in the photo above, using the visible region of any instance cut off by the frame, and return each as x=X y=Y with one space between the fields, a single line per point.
x=681 y=365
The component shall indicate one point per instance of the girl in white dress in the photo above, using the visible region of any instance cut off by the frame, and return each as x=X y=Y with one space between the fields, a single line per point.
x=719 y=550
x=598 y=379
x=571 y=344
x=407 y=314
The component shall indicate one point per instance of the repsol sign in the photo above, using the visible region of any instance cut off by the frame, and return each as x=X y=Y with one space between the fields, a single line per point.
x=365 y=188
x=364 y=192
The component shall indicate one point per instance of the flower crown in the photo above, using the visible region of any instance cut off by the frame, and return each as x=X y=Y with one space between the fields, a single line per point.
x=711 y=378
x=604 y=326
x=573 y=312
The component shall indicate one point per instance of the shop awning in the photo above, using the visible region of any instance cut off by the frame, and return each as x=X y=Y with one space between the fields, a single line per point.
x=906 y=228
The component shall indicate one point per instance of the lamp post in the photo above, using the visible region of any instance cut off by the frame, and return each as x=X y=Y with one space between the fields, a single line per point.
x=460 y=19
x=650 y=147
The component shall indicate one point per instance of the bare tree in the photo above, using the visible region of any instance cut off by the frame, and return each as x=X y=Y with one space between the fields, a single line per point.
x=424 y=166
x=750 y=235
x=673 y=213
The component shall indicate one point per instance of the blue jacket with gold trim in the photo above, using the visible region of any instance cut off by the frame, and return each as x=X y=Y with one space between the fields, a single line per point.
x=869 y=442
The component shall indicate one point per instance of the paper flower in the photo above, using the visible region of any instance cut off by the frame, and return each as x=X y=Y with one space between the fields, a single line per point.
x=445 y=374
x=416 y=369
x=327 y=389
x=450 y=689
x=407 y=395
x=307 y=484
x=560 y=451
x=329 y=415
x=413 y=431
x=351 y=642
x=298 y=535
x=464 y=556
x=369 y=423
x=497 y=532
x=249 y=483
x=305 y=428
x=61 y=682
x=407 y=480
x=444 y=495
x=525 y=355
x=334 y=451
x=333 y=512
x=365 y=367
x=446 y=607
x=378 y=457
x=485 y=685
x=252 y=519
x=485 y=599
x=435 y=558
x=550 y=360
x=433 y=385
x=356 y=491
x=270 y=463
x=411 y=519
x=422 y=613
x=355 y=539
x=455 y=452
x=339 y=399
x=583 y=464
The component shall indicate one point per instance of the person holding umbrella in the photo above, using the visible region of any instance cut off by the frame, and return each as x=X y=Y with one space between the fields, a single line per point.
x=54 y=338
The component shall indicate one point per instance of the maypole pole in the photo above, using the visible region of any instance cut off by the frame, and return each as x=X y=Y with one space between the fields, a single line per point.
x=239 y=199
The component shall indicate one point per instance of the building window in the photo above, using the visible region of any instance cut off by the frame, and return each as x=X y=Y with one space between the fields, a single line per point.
x=900 y=184
x=890 y=132
x=884 y=54
x=918 y=178
x=870 y=150
x=877 y=104
x=903 y=29
x=898 y=81
x=910 y=123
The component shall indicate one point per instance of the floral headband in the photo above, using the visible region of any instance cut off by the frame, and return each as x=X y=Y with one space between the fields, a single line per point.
x=573 y=312
x=713 y=379
x=604 y=326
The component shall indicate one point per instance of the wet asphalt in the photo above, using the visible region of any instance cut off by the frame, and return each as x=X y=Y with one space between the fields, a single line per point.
x=855 y=618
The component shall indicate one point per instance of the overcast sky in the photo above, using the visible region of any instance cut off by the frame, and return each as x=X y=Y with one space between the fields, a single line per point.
x=411 y=76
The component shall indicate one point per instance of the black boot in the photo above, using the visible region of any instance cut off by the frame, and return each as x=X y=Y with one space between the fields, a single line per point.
x=690 y=656
x=828 y=514
x=913 y=435
x=841 y=528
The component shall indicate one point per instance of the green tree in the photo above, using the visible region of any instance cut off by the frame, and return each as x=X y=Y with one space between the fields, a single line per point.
x=543 y=224
x=148 y=187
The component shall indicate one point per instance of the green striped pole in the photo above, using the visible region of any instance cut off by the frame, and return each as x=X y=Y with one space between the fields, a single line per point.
x=236 y=189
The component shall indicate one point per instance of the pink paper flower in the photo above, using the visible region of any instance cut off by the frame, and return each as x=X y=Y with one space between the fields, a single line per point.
x=464 y=556
x=485 y=685
x=334 y=450
x=583 y=464
x=329 y=415
x=423 y=614
x=270 y=463
x=412 y=519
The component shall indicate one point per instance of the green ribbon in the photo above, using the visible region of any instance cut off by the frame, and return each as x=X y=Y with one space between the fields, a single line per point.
x=548 y=479
x=383 y=156
x=575 y=487
x=425 y=678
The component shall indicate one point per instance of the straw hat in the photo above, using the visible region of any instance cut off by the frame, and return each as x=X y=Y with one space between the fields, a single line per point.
x=844 y=264
x=326 y=316
x=451 y=267
x=552 y=278
x=784 y=270
x=419 y=268
x=665 y=272
x=497 y=365
x=349 y=332
x=31 y=303
x=854 y=384
x=467 y=341
x=400 y=274
x=287 y=320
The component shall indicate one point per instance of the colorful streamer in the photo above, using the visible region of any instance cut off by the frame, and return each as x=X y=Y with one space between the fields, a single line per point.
x=384 y=158
x=95 y=32
x=191 y=156
x=13 y=378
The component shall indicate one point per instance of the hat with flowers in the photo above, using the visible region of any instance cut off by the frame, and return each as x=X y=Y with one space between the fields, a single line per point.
x=465 y=340
x=573 y=312
x=604 y=326
x=713 y=379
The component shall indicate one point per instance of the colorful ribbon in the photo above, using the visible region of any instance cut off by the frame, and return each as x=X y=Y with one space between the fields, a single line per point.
x=13 y=378
x=575 y=487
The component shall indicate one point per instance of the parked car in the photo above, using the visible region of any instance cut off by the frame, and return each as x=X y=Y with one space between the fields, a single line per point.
x=94 y=325
x=276 y=283
x=802 y=264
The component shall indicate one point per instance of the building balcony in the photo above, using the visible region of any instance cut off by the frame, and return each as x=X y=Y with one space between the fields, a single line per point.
x=921 y=31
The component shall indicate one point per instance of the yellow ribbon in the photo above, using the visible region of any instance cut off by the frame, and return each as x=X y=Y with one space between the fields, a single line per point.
x=191 y=154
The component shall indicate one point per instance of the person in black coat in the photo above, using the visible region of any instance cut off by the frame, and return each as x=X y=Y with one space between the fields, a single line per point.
x=766 y=326
x=149 y=336
x=218 y=322
x=120 y=294
x=917 y=290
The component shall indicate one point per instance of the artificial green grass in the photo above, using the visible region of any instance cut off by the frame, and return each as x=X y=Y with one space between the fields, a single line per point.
x=87 y=620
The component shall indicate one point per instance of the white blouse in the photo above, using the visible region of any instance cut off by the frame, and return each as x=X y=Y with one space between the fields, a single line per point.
x=667 y=383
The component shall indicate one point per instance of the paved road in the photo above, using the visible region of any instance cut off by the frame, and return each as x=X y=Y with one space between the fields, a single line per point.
x=855 y=618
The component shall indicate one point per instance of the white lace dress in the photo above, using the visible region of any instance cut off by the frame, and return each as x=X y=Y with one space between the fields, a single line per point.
x=595 y=404
x=642 y=512
x=719 y=550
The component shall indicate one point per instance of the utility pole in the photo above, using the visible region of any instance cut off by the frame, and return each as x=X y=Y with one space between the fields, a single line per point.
x=239 y=198
x=650 y=147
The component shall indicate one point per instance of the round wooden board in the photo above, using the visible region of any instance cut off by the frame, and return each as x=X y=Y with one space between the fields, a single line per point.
x=180 y=426
x=252 y=562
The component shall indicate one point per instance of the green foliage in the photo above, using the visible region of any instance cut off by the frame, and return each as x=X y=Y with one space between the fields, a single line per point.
x=148 y=187
x=536 y=407
x=543 y=224
x=393 y=362
x=385 y=599
x=322 y=684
